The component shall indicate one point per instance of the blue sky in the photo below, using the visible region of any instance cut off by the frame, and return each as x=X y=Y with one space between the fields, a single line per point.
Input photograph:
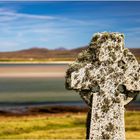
x=65 y=24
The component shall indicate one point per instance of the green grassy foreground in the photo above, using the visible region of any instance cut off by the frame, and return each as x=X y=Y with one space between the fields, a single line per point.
x=57 y=126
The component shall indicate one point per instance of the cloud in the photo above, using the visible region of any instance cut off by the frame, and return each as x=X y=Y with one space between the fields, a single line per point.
x=24 y=30
x=14 y=15
x=21 y=24
x=10 y=15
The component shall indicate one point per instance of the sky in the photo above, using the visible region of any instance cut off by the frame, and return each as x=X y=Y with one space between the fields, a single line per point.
x=70 y=25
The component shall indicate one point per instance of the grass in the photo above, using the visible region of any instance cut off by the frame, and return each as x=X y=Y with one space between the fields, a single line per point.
x=57 y=126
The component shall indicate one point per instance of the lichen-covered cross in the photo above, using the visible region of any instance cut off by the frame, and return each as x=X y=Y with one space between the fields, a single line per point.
x=107 y=76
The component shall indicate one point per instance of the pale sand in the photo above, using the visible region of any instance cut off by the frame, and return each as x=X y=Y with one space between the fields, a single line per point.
x=31 y=75
x=32 y=70
x=36 y=62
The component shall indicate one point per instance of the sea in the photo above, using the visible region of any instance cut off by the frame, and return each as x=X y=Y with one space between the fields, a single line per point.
x=23 y=85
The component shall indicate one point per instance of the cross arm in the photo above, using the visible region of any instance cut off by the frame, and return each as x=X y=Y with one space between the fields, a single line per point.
x=78 y=78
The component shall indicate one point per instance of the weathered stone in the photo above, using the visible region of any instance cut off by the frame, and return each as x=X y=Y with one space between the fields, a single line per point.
x=110 y=73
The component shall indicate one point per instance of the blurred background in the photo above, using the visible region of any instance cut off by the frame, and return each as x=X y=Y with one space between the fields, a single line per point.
x=37 y=42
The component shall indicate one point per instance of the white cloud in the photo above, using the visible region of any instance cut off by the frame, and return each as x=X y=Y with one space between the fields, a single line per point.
x=22 y=30
x=14 y=15
x=8 y=45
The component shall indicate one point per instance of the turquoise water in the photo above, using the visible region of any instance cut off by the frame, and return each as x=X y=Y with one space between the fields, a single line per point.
x=35 y=90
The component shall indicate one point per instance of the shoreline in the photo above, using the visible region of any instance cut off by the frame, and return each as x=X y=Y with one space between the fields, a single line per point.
x=33 y=75
x=35 y=69
x=53 y=109
x=39 y=62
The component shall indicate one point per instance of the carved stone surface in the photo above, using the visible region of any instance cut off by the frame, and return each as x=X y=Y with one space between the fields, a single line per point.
x=110 y=73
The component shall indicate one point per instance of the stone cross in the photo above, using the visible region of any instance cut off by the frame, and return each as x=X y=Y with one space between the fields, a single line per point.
x=107 y=76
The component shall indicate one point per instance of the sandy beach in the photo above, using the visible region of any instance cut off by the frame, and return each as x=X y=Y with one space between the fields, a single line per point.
x=33 y=70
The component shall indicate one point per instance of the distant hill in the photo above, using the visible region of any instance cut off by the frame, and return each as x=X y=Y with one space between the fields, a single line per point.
x=39 y=54
x=135 y=51
x=60 y=49
x=43 y=54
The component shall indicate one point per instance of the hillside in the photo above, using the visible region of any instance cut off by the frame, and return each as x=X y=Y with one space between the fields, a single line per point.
x=135 y=51
x=43 y=54
x=39 y=54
